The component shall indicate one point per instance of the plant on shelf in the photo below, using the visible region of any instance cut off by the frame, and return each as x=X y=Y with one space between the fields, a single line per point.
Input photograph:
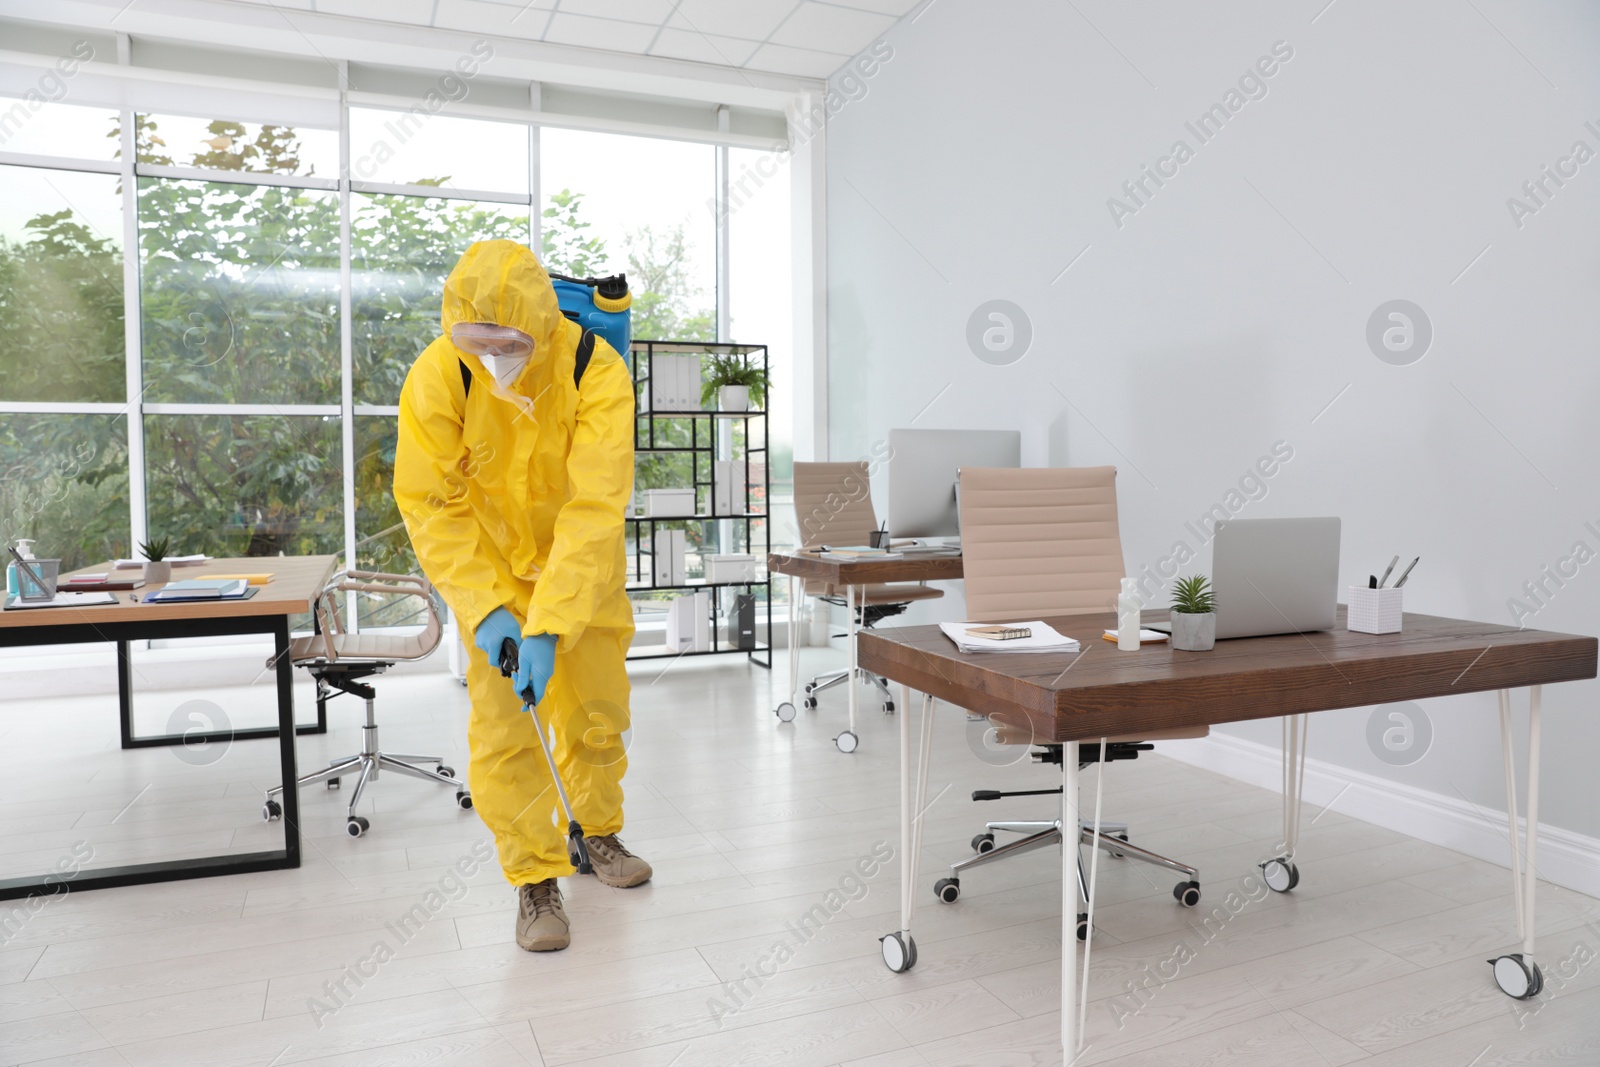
x=156 y=570
x=731 y=382
x=1194 y=614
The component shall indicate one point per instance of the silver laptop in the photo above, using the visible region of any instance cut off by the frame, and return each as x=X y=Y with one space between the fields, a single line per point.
x=1274 y=576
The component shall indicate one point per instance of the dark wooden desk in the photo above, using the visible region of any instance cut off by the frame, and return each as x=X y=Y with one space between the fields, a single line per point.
x=296 y=581
x=854 y=576
x=1101 y=691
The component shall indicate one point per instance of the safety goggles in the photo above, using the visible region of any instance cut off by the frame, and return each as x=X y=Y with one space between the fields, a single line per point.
x=487 y=339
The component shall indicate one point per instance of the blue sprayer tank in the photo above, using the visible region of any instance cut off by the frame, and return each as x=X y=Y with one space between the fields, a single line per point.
x=599 y=304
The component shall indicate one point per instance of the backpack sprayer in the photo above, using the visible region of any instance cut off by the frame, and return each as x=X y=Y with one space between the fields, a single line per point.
x=577 y=850
x=599 y=304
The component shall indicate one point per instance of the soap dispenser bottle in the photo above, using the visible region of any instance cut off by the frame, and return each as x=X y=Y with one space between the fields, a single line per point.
x=13 y=584
x=1128 y=608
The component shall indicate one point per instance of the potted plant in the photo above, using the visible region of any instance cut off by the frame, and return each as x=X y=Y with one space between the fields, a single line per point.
x=732 y=381
x=157 y=571
x=1194 y=614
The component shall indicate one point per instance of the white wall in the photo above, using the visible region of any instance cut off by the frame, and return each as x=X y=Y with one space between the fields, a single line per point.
x=1229 y=310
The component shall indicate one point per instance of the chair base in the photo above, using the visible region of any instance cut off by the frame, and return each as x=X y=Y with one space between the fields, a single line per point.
x=832 y=678
x=1042 y=833
x=367 y=766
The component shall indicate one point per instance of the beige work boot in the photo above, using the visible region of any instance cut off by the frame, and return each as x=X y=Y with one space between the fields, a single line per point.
x=615 y=865
x=541 y=920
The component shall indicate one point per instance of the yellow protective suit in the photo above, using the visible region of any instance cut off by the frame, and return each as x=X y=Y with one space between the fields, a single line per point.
x=515 y=497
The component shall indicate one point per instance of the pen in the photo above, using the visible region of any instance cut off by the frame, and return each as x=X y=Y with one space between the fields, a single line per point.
x=1407 y=573
x=1386 y=572
x=1372 y=581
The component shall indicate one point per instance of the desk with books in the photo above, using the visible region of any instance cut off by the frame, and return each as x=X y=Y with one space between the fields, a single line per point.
x=296 y=582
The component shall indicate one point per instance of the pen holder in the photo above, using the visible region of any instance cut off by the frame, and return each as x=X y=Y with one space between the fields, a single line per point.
x=1373 y=611
x=31 y=574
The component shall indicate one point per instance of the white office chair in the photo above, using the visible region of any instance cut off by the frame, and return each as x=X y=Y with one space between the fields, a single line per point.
x=833 y=505
x=1038 y=543
x=338 y=660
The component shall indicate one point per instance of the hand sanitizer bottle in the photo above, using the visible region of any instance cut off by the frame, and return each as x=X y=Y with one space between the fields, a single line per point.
x=1128 y=607
x=25 y=550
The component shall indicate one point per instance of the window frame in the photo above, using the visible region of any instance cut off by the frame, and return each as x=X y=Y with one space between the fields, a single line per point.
x=130 y=170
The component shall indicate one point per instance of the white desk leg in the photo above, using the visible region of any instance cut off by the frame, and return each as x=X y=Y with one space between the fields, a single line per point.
x=1517 y=974
x=1069 y=903
x=848 y=740
x=1280 y=873
x=899 y=950
x=785 y=708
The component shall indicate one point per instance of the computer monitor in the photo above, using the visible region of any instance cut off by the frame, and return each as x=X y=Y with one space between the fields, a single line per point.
x=922 y=475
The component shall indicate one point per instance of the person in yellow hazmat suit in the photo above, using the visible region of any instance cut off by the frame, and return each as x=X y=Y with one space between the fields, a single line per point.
x=512 y=471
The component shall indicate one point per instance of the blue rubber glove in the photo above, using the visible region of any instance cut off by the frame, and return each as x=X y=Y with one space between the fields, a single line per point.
x=536 y=663
x=491 y=633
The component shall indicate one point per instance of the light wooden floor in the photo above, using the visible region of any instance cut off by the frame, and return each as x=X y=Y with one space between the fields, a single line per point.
x=1377 y=959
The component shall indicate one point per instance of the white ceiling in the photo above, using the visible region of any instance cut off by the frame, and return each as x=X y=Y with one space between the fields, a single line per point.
x=807 y=38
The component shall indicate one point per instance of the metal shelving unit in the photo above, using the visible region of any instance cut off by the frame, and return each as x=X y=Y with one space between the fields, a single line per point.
x=663 y=433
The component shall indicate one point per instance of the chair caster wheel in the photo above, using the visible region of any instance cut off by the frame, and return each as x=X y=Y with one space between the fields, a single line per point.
x=983 y=843
x=888 y=707
x=463 y=800
x=809 y=688
x=1281 y=875
x=1187 y=893
x=271 y=811
x=1083 y=926
x=1516 y=977
x=847 y=741
x=1115 y=854
x=446 y=770
x=899 y=954
x=356 y=825
x=333 y=783
x=811 y=703
x=947 y=890
x=785 y=712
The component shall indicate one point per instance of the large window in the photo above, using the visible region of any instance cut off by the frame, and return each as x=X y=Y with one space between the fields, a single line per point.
x=281 y=296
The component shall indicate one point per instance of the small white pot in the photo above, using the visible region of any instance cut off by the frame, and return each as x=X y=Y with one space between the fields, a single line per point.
x=158 y=573
x=1194 y=633
x=733 y=398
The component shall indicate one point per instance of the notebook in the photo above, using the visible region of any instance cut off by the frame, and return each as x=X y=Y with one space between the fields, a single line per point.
x=200 y=589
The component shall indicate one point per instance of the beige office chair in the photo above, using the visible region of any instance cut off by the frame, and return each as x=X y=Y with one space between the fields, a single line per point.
x=338 y=660
x=833 y=506
x=1036 y=543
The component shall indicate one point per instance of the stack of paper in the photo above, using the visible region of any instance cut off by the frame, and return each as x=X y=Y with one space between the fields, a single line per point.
x=1043 y=639
x=855 y=552
x=63 y=600
x=176 y=561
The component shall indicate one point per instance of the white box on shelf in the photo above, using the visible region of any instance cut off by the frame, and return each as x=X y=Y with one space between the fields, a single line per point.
x=730 y=567
x=727 y=487
x=675 y=503
x=674 y=382
x=669 y=561
x=1374 y=611
x=680 y=624
x=702 y=622
x=689 y=624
